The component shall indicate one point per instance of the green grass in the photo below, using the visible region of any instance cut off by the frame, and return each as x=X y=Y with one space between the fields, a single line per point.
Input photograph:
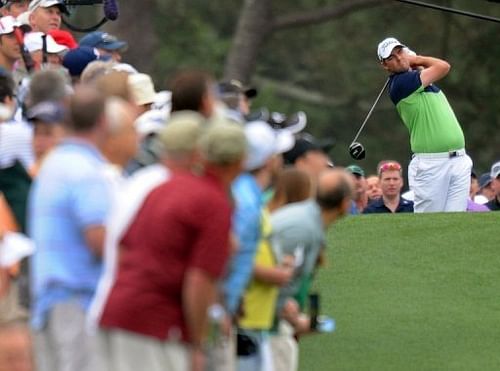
x=410 y=292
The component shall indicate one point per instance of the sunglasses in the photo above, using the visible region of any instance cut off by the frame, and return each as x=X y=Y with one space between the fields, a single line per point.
x=389 y=166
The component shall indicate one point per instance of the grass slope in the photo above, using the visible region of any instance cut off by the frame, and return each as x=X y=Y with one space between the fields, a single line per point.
x=410 y=292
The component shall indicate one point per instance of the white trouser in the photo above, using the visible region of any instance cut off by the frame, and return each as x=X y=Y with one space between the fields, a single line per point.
x=285 y=349
x=440 y=182
x=64 y=345
x=127 y=351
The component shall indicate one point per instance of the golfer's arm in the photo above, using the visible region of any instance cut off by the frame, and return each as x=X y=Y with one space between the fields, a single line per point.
x=434 y=69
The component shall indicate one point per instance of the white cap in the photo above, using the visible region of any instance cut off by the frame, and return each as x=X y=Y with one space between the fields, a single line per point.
x=151 y=122
x=386 y=46
x=264 y=142
x=33 y=42
x=34 y=4
x=142 y=88
x=24 y=18
x=163 y=100
x=7 y=25
x=495 y=170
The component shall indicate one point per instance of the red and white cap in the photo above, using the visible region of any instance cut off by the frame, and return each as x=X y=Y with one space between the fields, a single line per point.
x=34 y=42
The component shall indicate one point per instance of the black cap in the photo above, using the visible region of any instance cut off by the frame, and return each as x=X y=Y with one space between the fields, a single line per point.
x=236 y=87
x=305 y=143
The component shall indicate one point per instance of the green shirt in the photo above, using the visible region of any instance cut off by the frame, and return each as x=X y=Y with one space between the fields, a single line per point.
x=426 y=113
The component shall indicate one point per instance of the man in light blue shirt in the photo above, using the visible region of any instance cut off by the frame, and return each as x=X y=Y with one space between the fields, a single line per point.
x=69 y=203
x=264 y=159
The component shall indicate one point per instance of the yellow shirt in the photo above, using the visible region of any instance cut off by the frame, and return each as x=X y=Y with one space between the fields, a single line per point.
x=259 y=300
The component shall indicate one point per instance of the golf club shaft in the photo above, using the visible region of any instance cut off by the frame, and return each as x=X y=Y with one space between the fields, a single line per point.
x=451 y=10
x=371 y=110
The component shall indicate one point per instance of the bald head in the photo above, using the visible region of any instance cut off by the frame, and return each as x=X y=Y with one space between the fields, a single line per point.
x=119 y=114
x=122 y=142
x=334 y=190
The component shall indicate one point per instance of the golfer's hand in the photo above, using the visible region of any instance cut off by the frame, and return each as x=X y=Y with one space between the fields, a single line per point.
x=409 y=51
x=413 y=60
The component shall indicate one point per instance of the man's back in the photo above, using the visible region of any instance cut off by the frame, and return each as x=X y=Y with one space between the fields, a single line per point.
x=184 y=223
x=69 y=195
x=297 y=229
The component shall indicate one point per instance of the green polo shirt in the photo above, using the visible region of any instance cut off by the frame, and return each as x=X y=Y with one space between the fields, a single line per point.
x=426 y=113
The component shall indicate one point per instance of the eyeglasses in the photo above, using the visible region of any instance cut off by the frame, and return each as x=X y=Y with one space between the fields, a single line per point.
x=389 y=166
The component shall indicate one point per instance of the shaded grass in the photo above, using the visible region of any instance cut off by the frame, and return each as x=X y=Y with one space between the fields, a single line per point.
x=410 y=292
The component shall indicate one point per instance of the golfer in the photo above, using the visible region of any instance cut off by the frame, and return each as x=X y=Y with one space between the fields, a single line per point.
x=439 y=173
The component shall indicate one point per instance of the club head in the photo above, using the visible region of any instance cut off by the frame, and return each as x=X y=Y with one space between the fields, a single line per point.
x=357 y=151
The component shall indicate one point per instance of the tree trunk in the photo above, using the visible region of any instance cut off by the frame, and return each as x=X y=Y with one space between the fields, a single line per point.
x=256 y=23
x=253 y=27
x=136 y=25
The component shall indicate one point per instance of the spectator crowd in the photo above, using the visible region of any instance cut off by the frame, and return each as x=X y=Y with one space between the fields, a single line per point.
x=161 y=230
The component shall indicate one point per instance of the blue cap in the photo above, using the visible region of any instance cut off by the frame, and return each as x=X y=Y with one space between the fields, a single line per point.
x=77 y=59
x=48 y=112
x=484 y=180
x=103 y=40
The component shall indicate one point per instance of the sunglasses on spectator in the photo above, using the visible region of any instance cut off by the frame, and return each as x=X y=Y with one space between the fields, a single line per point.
x=389 y=166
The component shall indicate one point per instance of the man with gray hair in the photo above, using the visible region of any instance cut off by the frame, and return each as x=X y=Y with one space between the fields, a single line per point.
x=47 y=85
x=182 y=254
x=69 y=203
x=46 y=15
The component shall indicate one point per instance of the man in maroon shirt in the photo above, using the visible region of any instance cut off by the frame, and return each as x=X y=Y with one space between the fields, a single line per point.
x=173 y=255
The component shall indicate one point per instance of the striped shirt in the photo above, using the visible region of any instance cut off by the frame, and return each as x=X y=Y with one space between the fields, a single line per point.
x=16 y=144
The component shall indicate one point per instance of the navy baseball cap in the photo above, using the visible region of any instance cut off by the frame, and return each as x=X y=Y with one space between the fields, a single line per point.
x=77 y=59
x=103 y=40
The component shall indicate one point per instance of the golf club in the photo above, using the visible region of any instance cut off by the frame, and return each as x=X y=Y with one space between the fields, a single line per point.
x=356 y=149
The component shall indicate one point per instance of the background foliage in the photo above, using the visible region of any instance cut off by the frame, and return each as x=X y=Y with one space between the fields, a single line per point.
x=333 y=65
